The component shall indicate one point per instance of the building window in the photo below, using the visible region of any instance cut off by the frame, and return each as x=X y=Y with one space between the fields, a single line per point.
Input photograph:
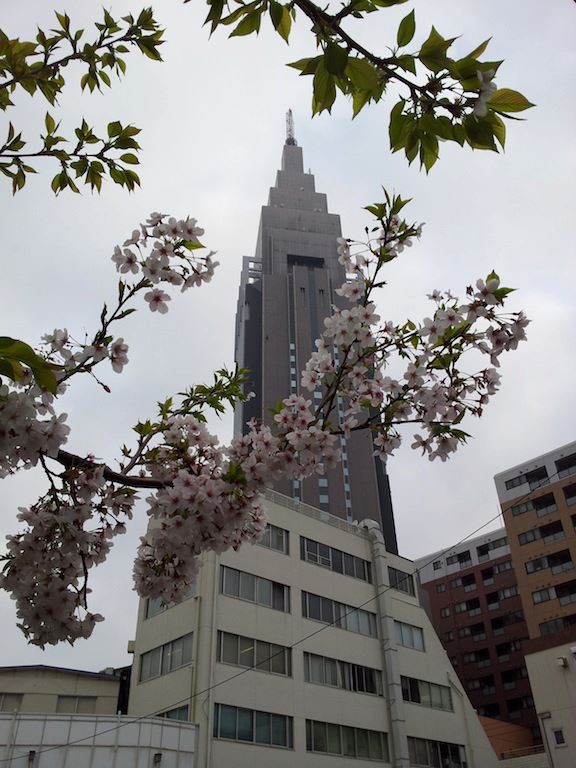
x=254 y=589
x=425 y=752
x=548 y=533
x=10 y=702
x=342 y=674
x=409 y=636
x=154 y=605
x=76 y=705
x=428 y=694
x=321 y=554
x=441 y=587
x=463 y=559
x=559 y=738
x=166 y=658
x=570 y=495
x=323 y=499
x=322 y=482
x=445 y=612
x=256 y=654
x=403 y=582
x=275 y=538
x=437 y=564
x=179 y=713
x=252 y=726
x=338 y=614
x=484 y=550
x=344 y=740
x=566 y=466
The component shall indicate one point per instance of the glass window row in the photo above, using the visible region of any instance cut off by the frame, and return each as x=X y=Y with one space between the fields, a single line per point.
x=338 y=614
x=334 y=559
x=166 y=658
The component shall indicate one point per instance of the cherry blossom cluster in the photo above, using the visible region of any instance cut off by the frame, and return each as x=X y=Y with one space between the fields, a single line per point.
x=24 y=435
x=170 y=258
x=69 y=530
x=365 y=374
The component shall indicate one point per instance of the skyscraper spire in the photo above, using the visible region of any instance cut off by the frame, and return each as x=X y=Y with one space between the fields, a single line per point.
x=290 y=129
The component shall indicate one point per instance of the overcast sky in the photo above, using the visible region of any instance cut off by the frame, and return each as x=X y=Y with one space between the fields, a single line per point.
x=213 y=120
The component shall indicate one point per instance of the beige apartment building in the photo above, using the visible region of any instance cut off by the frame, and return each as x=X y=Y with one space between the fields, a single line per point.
x=308 y=647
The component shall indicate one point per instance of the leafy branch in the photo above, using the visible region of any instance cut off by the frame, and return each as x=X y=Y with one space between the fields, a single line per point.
x=38 y=66
x=442 y=99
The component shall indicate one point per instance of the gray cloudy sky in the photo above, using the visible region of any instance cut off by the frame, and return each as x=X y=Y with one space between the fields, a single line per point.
x=213 y=120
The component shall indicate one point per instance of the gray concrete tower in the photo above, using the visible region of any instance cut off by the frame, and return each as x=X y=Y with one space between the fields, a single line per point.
x=286 y=291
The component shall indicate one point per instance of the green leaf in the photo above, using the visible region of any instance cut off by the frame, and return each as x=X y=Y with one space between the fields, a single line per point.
x=479 y=133
x=498 y=126
x=14 y=349
x=363 y=75
x=406 y=30
x=129 y=158
x=281 y=19
x=11 y=368
x=50 y=123
x=306 y=66
x=433 y=51
x=335 y=59
x=479 y=50
x=324 y=90
x=249 y=24
x=506 y=100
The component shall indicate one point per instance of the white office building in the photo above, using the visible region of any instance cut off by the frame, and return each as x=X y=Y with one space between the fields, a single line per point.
x=310 y=649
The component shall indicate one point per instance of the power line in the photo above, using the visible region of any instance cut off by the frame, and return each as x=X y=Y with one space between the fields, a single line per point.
x=325 y=626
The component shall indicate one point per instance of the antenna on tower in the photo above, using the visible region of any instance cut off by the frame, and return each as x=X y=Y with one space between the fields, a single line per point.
x=290 y=129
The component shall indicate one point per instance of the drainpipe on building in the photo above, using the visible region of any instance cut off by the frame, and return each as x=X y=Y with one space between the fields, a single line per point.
x=205 y=627
x=462 y=696
x=398 y=741
x=542 y=716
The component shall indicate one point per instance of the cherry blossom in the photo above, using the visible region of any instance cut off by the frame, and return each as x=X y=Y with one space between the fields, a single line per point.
x=370 y=374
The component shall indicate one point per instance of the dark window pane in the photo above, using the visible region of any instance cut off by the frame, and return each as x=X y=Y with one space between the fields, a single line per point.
x=327 y=610
x=231 y=582
x=362 y=744
x=280 y=599
x=319 y=730
x=229 y=648
x=309 y=740
x=263 y=728
x=337 y=561
x=278 y=660
x=246 y=652
x=245 y=725
x=348 y=742
x=263 y=652
x=227 y=722
x=375 y=741
x=248 y=587
x=314 y=607
x=349 y=569
x=279 y=730
x=264 y=592
x=333 y=739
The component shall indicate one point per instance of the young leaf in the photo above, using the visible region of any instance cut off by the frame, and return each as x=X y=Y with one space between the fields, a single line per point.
x=506 y=100
x=406 y=30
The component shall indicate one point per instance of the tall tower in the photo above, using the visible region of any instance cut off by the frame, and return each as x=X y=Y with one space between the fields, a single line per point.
x=286 y=291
